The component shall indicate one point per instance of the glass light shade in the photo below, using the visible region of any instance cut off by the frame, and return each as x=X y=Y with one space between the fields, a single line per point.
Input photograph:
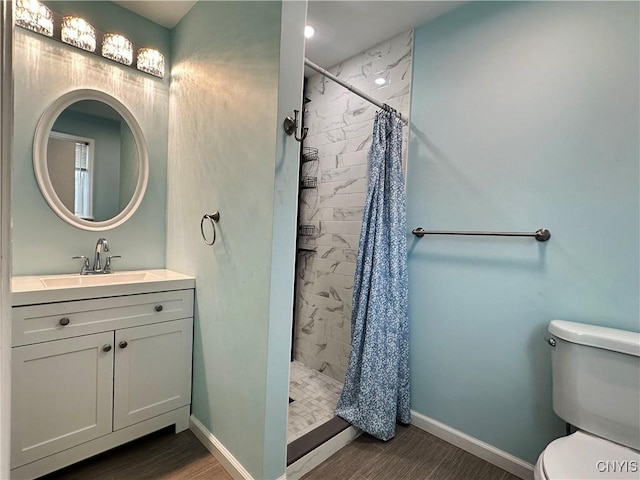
x=151 y=61
x=32 y=15
x=309 y=31
x=118 y=48
x=79 y=33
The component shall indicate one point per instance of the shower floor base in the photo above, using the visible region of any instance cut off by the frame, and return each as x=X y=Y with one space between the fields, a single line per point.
x=315 y=439
x=313 y=398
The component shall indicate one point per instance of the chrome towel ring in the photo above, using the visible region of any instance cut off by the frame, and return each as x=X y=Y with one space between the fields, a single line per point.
x=213 y=218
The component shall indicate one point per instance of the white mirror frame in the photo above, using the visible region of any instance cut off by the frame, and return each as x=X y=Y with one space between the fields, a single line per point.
x=41 y=139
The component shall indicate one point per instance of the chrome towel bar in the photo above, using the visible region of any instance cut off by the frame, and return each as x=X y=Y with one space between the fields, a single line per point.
x=541 y=235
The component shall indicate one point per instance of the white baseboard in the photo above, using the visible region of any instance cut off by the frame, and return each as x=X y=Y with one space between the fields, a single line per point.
x=489 y=453
x=218 y=450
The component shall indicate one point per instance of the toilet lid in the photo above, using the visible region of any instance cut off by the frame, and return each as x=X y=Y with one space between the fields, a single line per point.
x=582 y=456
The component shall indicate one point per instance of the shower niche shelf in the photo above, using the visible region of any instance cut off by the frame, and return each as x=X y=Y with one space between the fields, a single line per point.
x=309 y=154
x=306 y=230
x=308 y=182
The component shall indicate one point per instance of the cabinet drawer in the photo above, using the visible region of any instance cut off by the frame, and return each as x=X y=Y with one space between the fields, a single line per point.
x=53 y=321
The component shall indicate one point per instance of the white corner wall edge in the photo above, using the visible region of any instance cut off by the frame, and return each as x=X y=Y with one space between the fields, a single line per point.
x=218 y=450
x=489 y=453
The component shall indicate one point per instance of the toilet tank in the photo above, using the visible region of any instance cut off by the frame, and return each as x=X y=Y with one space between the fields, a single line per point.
x=596 y=380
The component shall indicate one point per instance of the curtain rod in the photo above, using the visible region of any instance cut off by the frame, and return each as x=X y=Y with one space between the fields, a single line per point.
x=350 y=87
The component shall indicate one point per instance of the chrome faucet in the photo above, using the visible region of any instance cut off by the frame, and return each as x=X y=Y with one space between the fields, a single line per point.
x=101 y=247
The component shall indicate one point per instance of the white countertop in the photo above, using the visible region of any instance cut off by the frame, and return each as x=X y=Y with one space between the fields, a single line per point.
x=29 y=290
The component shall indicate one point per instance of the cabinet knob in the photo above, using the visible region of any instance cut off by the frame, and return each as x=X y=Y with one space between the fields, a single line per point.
x=64 y=321
x=158 y=308
x=123 y=344
x=107 y=348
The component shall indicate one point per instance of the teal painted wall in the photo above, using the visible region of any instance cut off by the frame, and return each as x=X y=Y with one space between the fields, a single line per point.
x=128 y=165
x=524 y=115
x=227 y=153
x=44 y=69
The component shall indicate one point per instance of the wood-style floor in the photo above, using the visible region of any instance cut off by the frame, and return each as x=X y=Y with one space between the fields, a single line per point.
x=160 y=456
x=411 y=455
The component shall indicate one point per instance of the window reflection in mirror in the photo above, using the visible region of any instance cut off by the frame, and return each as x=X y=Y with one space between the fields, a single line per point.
x=70 y=166
x=92 y=160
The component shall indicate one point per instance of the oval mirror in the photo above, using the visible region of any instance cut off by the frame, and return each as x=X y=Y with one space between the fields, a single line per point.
x=90 y=160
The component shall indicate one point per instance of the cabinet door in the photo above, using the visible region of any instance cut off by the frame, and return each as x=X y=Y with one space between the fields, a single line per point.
x=152 y=371
x=62 y=395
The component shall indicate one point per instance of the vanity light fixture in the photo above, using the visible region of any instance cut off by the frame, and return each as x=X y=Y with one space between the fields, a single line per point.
x=79 y=33
x=34 y=16
x=117 y=48
x=151 y=61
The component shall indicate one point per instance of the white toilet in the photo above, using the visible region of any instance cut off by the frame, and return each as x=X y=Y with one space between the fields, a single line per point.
x=596 y=388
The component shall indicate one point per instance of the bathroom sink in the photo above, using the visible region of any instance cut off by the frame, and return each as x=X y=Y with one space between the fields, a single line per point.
x=62 y=281
x=34 y=289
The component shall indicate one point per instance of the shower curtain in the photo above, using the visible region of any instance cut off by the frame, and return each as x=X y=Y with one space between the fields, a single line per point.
x=376 y=390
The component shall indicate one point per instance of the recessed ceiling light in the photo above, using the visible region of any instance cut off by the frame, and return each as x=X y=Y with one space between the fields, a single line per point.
x=380 y=81
x=309 y=31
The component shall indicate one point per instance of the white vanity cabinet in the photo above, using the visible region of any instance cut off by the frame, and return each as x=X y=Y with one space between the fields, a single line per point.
x=152 y=372
x=62 y=395
x=88 y=375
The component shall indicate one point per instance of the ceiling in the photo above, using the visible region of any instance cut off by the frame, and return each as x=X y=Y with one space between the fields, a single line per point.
x=343 y=28
x=163 y=12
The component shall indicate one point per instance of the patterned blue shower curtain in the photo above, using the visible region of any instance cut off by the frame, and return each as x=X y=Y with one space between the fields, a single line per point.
x=376 y=390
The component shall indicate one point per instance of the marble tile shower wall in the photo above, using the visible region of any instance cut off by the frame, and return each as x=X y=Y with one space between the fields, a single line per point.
x=340 y=126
